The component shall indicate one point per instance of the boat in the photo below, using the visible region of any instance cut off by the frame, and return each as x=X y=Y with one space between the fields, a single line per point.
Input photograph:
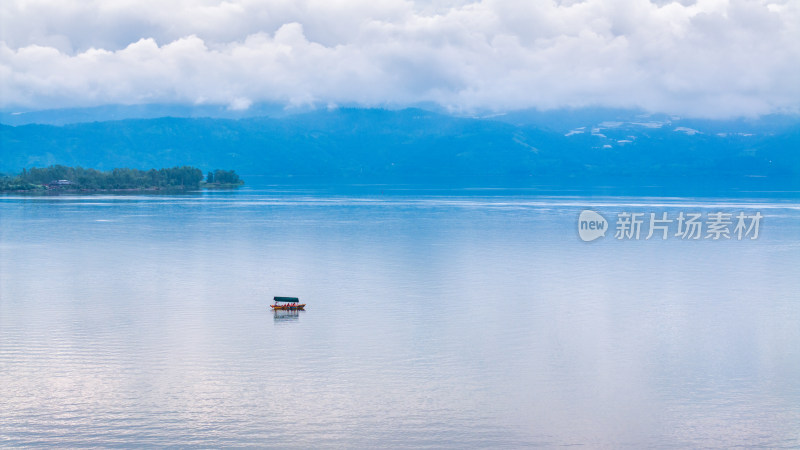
x=287 y=303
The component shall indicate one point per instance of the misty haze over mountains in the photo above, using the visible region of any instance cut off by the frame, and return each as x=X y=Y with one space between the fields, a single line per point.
x=409 y=145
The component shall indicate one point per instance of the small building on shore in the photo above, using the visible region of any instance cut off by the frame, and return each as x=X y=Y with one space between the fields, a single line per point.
x=56 y=184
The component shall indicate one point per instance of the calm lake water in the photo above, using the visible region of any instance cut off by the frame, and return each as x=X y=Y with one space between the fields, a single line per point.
x=464 y=318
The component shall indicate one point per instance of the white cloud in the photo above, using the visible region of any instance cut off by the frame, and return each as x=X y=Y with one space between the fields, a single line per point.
x=704 y=57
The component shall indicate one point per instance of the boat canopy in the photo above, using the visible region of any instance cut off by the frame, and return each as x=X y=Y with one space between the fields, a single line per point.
x=287 y=299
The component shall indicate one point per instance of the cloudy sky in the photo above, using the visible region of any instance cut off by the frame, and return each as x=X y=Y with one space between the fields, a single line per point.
x=711 y=58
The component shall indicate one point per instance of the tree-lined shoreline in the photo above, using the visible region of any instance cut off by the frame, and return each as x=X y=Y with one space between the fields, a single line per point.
x=60 y=178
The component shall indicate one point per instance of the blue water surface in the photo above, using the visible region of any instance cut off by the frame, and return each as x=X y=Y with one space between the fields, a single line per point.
x=436 y=318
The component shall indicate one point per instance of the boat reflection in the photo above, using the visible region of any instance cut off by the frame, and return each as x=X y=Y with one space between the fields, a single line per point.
x=281 y=315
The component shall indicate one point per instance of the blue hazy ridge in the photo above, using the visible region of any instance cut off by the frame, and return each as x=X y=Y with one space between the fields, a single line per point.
x=375 y=145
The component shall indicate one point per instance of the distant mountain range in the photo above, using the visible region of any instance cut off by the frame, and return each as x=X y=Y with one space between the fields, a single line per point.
x=375 y=145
